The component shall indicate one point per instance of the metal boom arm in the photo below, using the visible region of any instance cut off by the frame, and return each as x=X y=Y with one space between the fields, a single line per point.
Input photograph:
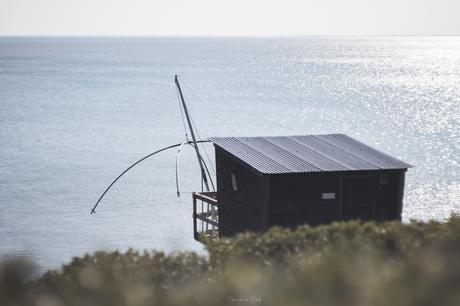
x=197 y=150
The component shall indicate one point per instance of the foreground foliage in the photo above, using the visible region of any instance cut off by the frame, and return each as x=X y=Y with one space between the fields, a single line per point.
x=348 y=263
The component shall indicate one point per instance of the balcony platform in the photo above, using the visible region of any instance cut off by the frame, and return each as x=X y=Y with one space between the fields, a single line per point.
x=205 y=216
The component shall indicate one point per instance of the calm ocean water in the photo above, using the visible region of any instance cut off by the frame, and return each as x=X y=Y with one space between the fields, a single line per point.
x=74 y=112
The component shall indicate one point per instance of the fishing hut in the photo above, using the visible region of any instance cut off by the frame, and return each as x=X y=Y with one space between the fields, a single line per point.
x=286 y=181
x=291 y=180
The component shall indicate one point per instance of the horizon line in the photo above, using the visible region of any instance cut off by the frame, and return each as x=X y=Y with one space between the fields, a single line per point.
x=215 y=35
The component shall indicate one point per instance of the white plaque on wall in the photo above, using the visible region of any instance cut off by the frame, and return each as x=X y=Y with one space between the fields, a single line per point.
x=328 y=196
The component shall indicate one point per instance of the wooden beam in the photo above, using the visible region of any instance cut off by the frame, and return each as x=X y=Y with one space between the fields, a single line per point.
x=195 y=231
x=205 y=198
x=203 y=218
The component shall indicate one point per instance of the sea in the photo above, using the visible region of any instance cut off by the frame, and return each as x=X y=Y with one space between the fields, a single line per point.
x=76 y=111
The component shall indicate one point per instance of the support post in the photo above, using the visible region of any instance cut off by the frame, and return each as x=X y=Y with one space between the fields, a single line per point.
x=195 y=230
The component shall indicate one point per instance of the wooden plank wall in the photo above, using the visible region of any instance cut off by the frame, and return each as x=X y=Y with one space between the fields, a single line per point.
x=239 y=210
x=297 y=198
x=289 y=200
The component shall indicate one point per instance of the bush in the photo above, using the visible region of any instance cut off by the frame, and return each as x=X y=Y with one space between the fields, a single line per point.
x=348 y=263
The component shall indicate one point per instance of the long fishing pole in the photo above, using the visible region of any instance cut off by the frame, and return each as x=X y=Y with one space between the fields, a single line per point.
x=133 y=165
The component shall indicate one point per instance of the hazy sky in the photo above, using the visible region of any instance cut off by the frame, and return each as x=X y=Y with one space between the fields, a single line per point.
x=229 y=17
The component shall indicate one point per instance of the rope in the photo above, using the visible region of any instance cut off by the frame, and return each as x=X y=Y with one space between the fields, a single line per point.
x=196 y=129
x=204 y=149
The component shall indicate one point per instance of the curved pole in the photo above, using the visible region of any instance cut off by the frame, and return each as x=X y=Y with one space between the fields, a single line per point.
x=130 y=167
x=177 y=168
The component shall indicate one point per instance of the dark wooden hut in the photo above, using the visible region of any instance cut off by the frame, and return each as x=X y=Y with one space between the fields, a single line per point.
x=292 y=180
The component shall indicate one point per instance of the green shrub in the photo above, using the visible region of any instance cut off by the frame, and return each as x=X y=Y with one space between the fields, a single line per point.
x=348 y=263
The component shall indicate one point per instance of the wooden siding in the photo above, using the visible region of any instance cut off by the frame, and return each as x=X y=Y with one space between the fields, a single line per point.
x=389 y=197
x=244 y=209
x=289 y=200
x=297 y=198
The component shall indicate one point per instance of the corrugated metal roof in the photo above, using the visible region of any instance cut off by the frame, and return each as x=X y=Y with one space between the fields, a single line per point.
x=307 y=153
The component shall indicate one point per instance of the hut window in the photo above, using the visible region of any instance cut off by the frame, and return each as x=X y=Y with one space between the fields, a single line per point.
x=384 y=179
x=328 y=196
x=233 y=182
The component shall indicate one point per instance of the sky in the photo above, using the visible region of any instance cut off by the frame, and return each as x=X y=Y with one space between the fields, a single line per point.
x=229 y=17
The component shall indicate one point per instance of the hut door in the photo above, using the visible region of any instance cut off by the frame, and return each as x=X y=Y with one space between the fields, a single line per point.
x=357 y=197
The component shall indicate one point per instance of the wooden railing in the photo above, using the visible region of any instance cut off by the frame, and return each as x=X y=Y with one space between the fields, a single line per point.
x=205 y=216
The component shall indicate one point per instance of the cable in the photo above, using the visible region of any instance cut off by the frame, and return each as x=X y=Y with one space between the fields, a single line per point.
x=177 y=169
x=204 y=149
x=196 y=129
